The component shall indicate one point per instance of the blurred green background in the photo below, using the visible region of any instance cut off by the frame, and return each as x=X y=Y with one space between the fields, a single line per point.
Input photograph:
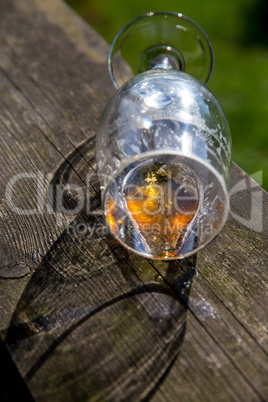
x=238 y=30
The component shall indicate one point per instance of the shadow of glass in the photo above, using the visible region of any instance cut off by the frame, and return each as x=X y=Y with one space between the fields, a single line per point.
x=97 y=322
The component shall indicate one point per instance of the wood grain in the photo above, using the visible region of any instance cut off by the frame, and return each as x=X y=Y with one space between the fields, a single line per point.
x=82 y=318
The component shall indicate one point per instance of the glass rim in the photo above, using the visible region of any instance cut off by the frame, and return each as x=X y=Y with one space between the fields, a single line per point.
x=220 y=179
x=151 y=14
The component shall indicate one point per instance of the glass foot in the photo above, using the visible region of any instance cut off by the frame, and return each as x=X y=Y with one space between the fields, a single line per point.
x=161 y=40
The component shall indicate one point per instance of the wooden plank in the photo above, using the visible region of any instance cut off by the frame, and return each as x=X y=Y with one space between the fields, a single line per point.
x=45 y=115
x=84 y=319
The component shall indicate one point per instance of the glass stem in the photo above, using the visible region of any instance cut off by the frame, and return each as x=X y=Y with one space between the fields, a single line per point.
x=167 y=62
x=164 y=57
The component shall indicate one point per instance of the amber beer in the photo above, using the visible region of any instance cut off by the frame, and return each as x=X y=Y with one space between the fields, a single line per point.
x=160 y=205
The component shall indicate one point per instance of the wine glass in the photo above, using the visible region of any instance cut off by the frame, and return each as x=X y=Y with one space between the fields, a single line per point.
x=163 y=147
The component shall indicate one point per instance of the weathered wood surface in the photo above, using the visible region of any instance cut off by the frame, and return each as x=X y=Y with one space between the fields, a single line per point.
x=82 y=319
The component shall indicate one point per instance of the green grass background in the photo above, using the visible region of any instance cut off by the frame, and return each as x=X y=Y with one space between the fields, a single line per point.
x=238 y=30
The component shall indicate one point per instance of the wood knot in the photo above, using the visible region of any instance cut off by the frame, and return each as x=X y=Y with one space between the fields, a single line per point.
x=14 y=270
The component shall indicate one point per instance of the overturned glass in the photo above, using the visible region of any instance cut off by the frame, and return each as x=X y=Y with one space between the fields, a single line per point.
x=163 y=146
